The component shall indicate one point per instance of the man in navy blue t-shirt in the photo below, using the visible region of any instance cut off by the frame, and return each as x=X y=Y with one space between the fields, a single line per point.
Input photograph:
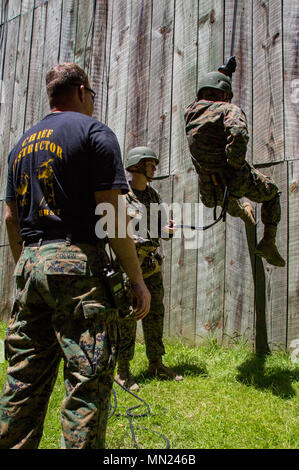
x=57 y=174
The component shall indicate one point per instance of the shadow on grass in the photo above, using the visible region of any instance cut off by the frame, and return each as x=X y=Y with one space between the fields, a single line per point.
x=274 y=378
x=185 y=369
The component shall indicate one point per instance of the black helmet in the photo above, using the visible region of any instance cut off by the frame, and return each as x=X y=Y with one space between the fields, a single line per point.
x=216 y=80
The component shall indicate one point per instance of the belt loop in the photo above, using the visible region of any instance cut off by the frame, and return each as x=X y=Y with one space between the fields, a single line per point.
x=40 y=241
x=68 y=239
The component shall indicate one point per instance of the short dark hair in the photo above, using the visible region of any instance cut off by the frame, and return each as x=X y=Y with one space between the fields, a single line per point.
x=60 y=78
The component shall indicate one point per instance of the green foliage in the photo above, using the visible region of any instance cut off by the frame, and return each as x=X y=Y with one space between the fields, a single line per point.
x=230 y=398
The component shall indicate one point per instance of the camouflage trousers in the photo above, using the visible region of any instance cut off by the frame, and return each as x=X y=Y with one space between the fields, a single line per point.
x=249 y=183
x=60 y=311
x=152 y=325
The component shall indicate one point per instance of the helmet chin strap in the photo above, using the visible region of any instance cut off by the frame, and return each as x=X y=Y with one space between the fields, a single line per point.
x=141 y=169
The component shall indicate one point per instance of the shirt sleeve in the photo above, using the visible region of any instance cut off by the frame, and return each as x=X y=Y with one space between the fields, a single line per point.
x=107 y=168
x=235 y=128
x=10 y=190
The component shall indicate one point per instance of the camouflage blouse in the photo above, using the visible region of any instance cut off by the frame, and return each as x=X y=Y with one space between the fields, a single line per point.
x=217 y=134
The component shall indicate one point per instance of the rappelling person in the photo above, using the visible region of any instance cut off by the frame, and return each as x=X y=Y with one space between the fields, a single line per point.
x=217 y=137
x=141 y=163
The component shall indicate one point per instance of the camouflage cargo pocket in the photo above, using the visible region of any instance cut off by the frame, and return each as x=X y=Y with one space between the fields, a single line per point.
x=19 y=269
x=97 y=341
x=75 y=267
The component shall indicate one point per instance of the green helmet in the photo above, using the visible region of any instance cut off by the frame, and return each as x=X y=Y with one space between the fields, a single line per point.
x=216 y=80
x=137 y=154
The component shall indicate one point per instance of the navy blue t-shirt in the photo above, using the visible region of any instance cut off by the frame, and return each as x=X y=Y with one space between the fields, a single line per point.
x=54 y=170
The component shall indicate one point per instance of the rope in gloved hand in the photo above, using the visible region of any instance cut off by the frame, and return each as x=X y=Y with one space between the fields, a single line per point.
x=129 y=415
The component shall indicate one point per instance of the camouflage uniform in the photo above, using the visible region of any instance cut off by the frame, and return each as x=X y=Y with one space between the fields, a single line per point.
x=217 y=137
x=61 y=311
x=152 y=324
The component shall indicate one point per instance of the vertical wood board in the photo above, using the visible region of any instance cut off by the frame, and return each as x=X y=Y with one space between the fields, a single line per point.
x=239 y=272
x=99 y=74
x=293 y=291
x=139 y=70
x=268 y=136
x=160 y=86
x=211 y=255
x=291 y=77
x=184 y=80
x=118 y=73
x=5 y=125
x=68 y=30
x=276 y=280
x=35 y=83
x=84 y=34
x=51 y=48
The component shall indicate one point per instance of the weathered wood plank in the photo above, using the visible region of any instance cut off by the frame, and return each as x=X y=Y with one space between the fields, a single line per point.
x=239 y=273
x=16 y=130
x=13 y=8
x=8 y=90
x=242 y=78
x=210 y=281
x=291 y=78
x=177 y=262
x=160 y=86
x=35 y=83
x=183 y=92
x=118 y=73
x=211 y=255
x=210 y=36
x=183 y=275
x=139 y=70
x=184 y=80
x=21 y=74
x=101 y=56
x=293 y=252
x=268 y=137
x=275 y=278
x=164 y=188
x=5 y=124
x=51 y=47
x=85 y=23
x=68 y=30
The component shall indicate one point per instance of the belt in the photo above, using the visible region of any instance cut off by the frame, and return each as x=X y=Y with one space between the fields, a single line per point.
x=44 y=242
x=47 y=240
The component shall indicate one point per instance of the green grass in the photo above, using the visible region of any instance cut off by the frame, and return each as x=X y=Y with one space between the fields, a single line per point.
x=229 y=399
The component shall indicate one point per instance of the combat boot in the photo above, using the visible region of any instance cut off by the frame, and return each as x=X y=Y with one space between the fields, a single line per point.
x=247 y=215
x=267 y=248
x=158 y=369
x=125 y=378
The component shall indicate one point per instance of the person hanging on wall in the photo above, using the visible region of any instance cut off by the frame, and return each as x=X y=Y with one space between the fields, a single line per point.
x=217 y=136
x=57 y=173
x=141 y=163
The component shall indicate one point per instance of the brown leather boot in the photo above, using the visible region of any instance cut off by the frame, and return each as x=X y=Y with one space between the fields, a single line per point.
x=267 y=248
x=125 y=378
x=248 y=217
x=157 y=369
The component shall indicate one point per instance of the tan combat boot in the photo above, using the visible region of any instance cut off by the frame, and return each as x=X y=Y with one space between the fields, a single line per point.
x=248 y=216
x=267 y=248
x=125 y=378
x=157 y=369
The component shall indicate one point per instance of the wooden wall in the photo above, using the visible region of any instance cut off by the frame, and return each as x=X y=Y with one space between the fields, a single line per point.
x=145 y=58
